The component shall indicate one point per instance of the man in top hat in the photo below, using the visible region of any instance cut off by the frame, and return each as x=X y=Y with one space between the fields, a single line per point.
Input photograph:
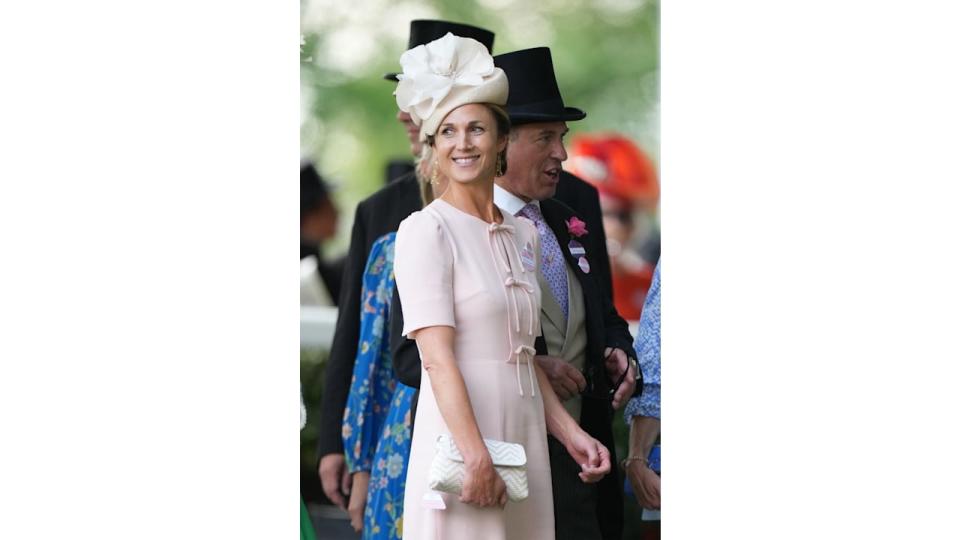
x=375 y=216
x=586 y=349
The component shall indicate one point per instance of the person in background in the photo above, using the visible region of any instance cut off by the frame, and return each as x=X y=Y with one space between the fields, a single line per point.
x=627 y=181
x=377 y=420
x=319 y=278
x=642 y=464
x=376 y=216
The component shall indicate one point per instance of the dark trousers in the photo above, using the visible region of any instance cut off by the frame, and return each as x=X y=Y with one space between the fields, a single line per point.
x=574 y=502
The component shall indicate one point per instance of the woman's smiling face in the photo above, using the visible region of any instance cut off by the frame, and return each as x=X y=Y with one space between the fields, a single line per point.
x=467 y=143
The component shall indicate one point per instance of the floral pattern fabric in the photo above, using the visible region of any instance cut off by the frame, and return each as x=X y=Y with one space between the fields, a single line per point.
x=647 y=347
x=376 y=421
x=383 y=515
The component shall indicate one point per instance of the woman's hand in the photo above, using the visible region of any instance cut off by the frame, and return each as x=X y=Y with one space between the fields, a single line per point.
x=358 y=499
x=593 y=457
x=646 y=484
x=482 y=486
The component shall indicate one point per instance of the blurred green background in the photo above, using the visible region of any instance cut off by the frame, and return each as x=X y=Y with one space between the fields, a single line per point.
x=605 y=52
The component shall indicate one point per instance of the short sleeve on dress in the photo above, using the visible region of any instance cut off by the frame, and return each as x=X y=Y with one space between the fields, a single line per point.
x=423 y=268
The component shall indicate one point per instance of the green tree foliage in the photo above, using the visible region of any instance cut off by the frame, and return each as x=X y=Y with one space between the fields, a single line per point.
x=606 y=54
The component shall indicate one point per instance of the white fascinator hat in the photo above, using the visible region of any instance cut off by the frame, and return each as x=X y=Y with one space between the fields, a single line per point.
x=444 y=74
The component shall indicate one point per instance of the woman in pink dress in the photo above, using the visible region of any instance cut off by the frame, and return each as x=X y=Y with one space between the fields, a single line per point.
x=466 y=273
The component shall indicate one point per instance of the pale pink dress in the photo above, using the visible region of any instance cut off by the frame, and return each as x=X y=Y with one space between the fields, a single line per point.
x=454 y=269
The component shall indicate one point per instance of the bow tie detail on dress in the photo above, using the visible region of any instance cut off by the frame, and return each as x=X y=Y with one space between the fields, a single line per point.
x=524 y=355
x=501 y=235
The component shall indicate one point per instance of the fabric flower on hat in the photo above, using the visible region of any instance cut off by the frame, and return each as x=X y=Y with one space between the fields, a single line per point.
x=444 y=74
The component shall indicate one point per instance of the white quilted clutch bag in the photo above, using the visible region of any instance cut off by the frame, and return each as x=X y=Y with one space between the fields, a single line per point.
x=509 y=460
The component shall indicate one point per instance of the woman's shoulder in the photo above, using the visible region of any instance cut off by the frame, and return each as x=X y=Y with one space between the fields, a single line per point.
x=424 y=232
x=420 y=221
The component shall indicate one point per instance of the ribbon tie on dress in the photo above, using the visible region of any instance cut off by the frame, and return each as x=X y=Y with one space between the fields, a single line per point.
x=524 y=355
x=502 y=234
x=494 y=229
x=510 y=282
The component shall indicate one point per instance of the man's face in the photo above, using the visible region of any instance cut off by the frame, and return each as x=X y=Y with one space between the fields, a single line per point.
x=534 y=156
x=413 y=132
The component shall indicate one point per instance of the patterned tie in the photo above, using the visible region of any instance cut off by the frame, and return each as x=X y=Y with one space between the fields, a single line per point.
x=551 y=258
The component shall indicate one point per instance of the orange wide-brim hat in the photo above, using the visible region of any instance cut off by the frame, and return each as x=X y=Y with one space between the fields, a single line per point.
x=615 y=166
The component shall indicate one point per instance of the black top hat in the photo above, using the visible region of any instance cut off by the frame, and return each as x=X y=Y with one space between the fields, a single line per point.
x=424 y=31
x=534 y=94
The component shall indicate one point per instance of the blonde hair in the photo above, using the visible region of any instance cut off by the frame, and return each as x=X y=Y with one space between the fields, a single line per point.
x=424 y=169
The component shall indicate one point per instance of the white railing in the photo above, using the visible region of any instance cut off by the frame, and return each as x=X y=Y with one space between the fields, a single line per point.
x=316 y=326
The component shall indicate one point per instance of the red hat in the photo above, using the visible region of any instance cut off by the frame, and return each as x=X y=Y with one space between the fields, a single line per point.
x=615 y=166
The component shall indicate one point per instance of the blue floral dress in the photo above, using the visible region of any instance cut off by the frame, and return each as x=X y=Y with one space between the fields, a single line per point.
x=376 y=422
x=647 y=347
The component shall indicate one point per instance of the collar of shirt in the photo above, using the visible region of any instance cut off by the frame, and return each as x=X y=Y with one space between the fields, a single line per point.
x=508 y=201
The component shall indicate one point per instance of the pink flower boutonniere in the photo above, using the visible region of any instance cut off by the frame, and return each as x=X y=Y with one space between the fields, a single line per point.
x=576 y=227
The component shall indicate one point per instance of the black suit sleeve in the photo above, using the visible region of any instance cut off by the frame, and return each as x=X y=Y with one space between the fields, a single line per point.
x=616 y=329
x=618 y=337
x=343 y=350
x=593 y=216
x=406 y=357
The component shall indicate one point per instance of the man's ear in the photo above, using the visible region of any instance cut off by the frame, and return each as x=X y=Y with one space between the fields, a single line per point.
x=502 y=143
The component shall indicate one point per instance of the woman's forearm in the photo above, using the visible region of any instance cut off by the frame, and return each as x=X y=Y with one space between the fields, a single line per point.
x=559 y=422
x=450 y=392
x=644 y=431
x=454 y=404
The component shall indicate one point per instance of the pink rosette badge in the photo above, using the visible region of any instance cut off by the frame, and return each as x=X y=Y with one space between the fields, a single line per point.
x=576 y=227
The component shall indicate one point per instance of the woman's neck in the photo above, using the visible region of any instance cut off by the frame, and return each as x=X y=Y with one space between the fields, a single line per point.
x=475 y=198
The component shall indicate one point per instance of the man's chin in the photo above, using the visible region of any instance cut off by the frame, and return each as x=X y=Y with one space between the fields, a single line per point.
x=546 y=194
x=548 y=191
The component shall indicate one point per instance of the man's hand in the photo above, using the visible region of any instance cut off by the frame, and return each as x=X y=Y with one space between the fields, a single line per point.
x=358 y=499
x=566 y=380
x=616 y=363
x=335 y=478
x=646 y=484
